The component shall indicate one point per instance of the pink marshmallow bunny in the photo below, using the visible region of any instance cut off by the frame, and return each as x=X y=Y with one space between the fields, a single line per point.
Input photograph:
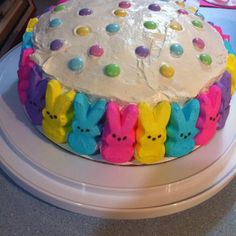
x=26 y=65
x=209 y=115
x=119 y=133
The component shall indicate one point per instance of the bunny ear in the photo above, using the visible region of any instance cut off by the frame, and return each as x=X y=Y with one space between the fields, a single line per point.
x=203 y=99
x=53 y=91
x=64 y=102
x=214 y=94
x=191 y=110
x=177 y=116
x=146 y=115
x=225 y=81
x=81 y=105
x=96 y=111
x=113 y=116
x=129 y=117
x=162 y=113
x=41 y=88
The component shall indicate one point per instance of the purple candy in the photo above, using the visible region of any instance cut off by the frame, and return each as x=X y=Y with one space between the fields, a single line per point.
x=85 y=12
x=198 y=43
x=225 y=85
x=36 y=97
x=154 y=7
x=124 y=4
x=142 y=52
x=56 y=44
x=182 y=11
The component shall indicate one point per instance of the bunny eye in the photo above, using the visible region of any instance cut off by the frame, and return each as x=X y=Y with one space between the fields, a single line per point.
x=114 y=135
x=34 y=104
x=55 y=117
x=153 y=139
x=211 y=118
x=189 y=133
x=149 y=136
x=159 y=136
x=31 y=102
x=87 y=130
x=48 y=112
x=82 y=130
x=78 y=127
x=181 y=135
x=125 y=137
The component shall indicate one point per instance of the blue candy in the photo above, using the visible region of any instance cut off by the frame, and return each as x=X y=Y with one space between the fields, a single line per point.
x=85 y=127
x=181 y=129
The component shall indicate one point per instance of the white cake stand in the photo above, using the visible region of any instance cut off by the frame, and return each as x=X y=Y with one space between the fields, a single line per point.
x=103 y=190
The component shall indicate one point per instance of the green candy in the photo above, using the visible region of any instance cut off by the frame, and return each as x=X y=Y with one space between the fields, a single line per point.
x=205 y=59
x=112 y=70
x=59 y=8
x=197 y=24
x=150 y=25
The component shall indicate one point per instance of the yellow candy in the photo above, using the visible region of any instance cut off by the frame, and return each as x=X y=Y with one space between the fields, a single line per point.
x=167 y=70
x=120 y=13
x=58 y=112
x=31 y=24
x=231 y=68
x=175 y=26
x=151 y=132
x=192 y=9
x=82 y=31
x=180 y=4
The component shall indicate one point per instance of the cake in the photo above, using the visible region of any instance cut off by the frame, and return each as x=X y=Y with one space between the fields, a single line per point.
x=129 y=81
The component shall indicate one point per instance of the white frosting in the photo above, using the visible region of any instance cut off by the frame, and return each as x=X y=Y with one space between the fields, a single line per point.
x=140 y=79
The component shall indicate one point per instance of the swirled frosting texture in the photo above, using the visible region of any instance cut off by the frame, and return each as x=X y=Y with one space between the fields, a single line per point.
x=139 y=79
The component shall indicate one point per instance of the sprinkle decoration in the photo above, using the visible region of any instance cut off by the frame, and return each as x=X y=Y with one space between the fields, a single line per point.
x=56 y=44
x=82 y=31
x=96 y=51
x=112 y=70
x=150 y=25
x=154 y=7
x=142 y=52
x=167 y=70
x=197 y=24
x=85 y=12
x=197 y=13
x=198 y=43
x=59 y=8
x=180 y=4
x=120 y=13
x=205 y=59
x=176 y=26
x=76 y=64
x=176 y=50
x=124 y=4
x=55 y=22
x=182 y=11
x=112 y=28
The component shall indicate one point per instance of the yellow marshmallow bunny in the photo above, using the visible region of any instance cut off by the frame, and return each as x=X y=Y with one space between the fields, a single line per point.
x=151 y=132
x=58 y=112
x=231 y=68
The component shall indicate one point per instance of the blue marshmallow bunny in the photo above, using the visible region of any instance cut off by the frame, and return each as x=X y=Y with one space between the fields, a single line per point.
x=85 y=127
x=182 y=128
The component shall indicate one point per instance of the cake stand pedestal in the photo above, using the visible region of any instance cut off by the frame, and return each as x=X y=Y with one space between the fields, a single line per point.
x=104 y=190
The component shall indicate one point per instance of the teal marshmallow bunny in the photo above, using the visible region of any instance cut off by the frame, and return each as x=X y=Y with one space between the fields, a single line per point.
x=181 y=129
x=85 y=127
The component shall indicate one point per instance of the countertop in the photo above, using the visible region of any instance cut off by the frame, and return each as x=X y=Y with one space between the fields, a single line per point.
x=23 y=214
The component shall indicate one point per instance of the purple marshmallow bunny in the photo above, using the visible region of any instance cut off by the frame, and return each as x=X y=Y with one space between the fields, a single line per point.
x=225 y=85
x=36 y=96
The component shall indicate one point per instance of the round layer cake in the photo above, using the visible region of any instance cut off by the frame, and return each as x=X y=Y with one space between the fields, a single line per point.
x=139 y=80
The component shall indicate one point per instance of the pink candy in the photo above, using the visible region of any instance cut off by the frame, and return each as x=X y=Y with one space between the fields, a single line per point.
x=119 y=133
x=209 y=115
x=25 y=68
